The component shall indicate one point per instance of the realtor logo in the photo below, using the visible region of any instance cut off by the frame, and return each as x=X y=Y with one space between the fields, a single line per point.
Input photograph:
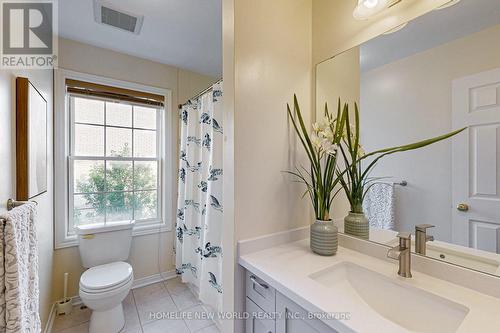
x=28 y=36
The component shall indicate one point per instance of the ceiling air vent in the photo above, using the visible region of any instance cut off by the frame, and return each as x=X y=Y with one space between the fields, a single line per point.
x=108 y=15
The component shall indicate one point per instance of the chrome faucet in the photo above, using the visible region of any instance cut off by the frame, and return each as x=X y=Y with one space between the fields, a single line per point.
x=402 y=252
x=421 y=238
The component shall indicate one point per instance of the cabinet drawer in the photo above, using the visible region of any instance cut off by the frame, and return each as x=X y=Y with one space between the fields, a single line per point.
x=257 y=323
x=260 y=292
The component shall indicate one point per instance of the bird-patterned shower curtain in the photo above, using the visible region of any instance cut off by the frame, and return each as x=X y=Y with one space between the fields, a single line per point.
x=199 y=204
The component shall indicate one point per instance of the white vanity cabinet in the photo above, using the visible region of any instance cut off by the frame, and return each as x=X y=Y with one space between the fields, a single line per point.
x=271 y=312
x=294 y=319
x=256 y=323
x=260 y=304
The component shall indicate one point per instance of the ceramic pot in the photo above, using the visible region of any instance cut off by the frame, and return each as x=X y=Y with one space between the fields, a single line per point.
x=356 y=224
x=324 y=238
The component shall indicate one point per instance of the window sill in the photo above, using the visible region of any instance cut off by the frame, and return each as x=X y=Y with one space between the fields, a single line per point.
x=139 y=230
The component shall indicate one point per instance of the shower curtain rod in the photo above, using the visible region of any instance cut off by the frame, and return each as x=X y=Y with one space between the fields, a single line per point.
x=202 y=92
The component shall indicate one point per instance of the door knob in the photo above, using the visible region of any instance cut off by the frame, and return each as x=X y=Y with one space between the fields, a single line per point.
x=463 y=207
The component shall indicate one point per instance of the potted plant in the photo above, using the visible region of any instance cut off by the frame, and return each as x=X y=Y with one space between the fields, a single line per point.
x=355 y=179
x=321 y=147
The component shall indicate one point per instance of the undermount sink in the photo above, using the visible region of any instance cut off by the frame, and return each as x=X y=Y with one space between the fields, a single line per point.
x=412 y=308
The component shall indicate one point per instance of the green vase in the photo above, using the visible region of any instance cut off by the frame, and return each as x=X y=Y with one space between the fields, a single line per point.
x=324 y=238
x=356 y=224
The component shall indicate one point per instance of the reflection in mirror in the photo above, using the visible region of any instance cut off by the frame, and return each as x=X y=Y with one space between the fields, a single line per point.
x=438 y=73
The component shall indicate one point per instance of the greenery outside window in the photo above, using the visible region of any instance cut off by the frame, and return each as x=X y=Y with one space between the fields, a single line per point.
x=114 y=161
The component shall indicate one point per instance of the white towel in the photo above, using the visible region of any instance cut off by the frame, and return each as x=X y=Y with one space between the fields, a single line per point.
x=379 y=205
x=19 y=293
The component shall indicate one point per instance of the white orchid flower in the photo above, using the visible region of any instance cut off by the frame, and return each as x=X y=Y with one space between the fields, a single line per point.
x=329 y=147
x=328 y=134
x=316 y=141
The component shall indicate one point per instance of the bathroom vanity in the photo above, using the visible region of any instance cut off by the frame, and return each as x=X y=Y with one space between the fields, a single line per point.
x=272 y=312
x=438 y=205
x=290 y=289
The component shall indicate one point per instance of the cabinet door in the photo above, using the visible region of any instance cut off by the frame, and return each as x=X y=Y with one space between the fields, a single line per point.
x=257 y=323
x=260 y=292
x=294 y=319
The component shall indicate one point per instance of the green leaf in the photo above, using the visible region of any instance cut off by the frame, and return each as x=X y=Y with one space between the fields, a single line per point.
x=408 y=147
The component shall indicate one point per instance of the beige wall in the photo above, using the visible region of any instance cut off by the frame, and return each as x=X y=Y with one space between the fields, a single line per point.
x=89 y=59
x=338 y=77
x=42 y=80
x=234 y=289
x=335 y=29
x=272 y=62
x=153 y=253
x=345 y=69
x=275 y=45
x=410 y=100
x=267 y=58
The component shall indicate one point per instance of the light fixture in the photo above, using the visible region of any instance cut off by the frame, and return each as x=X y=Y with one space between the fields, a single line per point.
x=448 y=4
x=368 y=8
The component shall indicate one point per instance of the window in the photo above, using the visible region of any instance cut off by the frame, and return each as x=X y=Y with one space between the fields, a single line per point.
x=115 y=162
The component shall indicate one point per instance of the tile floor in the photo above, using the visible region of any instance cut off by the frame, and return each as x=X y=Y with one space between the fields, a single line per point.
x=140 y=307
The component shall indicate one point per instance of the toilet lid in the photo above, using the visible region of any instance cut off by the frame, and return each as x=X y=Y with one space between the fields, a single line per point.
x=106 y=276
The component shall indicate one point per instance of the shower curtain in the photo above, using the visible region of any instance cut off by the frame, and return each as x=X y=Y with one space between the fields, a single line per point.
x=199 y=204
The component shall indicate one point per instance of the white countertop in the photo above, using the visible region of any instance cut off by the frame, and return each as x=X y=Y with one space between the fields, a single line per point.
x=287 y=268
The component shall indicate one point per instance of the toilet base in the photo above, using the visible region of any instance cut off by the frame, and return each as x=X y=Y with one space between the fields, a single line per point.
x=108 y=321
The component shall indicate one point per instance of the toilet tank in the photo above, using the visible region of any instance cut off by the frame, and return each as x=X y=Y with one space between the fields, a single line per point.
x=104 y=243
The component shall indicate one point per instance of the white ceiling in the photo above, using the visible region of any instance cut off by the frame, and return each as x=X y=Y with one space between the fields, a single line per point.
x=428 y=31
x=182 y=33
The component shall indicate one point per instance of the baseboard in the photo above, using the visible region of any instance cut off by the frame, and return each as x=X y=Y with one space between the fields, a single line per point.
x=50 y=320
x=141 y=282
x=145 y=281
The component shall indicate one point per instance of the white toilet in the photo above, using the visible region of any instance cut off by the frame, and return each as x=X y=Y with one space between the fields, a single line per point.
x=106 y=283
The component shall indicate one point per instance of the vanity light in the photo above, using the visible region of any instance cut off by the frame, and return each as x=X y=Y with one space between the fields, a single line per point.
x=367 y=8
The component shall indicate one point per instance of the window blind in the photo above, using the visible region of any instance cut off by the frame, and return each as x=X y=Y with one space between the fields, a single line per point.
x=103 y=91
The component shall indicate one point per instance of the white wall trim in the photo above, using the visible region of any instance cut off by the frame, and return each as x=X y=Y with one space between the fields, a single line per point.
x=159 y=277
x=141 y=230
x=50 y=320
x=61 y=139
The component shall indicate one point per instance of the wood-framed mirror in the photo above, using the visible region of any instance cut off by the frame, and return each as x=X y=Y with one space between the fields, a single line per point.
x=31 y=141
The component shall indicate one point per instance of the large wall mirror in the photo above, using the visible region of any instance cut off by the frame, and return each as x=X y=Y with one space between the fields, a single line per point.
x=434 y=74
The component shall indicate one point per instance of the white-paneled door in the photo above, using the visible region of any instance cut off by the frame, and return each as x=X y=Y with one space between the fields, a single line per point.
x=476 y=161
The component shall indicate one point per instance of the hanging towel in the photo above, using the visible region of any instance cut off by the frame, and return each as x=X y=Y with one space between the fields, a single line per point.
x=379 y=205
x=19 y=293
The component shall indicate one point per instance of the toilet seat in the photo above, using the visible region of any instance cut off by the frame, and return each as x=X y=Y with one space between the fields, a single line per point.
x=104 y=278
